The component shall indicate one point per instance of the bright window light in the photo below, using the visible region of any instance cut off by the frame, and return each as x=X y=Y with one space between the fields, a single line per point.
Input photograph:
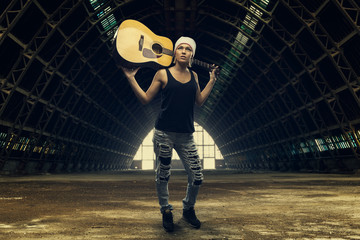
x=207 y=149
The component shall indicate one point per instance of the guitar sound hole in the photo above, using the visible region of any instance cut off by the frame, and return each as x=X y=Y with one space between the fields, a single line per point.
x=157 y=48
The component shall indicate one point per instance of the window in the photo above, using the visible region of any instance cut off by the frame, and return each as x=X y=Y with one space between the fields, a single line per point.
x=207 y=150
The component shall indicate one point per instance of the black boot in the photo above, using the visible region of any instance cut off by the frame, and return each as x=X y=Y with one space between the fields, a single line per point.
x=190 y=217
x=168 y=222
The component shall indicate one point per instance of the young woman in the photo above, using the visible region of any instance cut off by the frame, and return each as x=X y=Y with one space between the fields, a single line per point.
x=180 y=91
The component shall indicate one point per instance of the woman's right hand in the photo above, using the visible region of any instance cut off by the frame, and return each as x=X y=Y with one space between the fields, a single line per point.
x=130 y=72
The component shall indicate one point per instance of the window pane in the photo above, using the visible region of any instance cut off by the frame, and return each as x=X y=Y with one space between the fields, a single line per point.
x=147 y=165
x=209 y=151
x=209 y=163
x=148 y=152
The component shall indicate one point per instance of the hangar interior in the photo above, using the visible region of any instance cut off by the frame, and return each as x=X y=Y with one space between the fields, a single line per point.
x=286 y=99
x=285 y=110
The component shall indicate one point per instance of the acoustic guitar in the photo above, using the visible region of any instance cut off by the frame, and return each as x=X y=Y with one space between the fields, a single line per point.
x=136 y=45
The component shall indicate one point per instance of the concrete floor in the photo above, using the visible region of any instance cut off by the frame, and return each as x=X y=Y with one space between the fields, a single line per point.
x=231 y=205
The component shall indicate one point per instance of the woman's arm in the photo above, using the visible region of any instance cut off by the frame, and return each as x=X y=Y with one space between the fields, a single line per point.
x=201 y=96
x=144 y=97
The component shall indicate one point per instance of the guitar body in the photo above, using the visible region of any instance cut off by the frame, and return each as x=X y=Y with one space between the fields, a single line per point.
x=136 y=45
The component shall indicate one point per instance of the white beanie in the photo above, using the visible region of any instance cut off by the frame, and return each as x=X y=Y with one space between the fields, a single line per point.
x=188 y=41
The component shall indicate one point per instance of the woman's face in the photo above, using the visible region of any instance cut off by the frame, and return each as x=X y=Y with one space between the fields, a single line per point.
x=183 y=53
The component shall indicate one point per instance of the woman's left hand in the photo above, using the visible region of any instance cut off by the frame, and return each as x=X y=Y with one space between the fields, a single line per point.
x=214 y=72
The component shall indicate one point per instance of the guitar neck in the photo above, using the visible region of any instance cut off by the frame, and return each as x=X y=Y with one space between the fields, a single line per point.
x=208 y=66
x=202 y=64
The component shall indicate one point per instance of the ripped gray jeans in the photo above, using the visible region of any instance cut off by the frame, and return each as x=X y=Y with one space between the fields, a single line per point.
x=183 y=143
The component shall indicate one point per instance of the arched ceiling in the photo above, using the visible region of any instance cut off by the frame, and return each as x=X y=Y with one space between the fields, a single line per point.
x=287 y=97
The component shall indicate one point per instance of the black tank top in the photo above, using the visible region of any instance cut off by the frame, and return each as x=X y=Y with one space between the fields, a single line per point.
x=177 y=105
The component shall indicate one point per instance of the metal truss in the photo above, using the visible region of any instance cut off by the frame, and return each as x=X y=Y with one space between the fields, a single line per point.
x=58 y=118
x=62 y=109
x=294 y=111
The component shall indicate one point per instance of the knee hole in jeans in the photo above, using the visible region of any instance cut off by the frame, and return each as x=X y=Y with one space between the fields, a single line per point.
x=165 y=161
